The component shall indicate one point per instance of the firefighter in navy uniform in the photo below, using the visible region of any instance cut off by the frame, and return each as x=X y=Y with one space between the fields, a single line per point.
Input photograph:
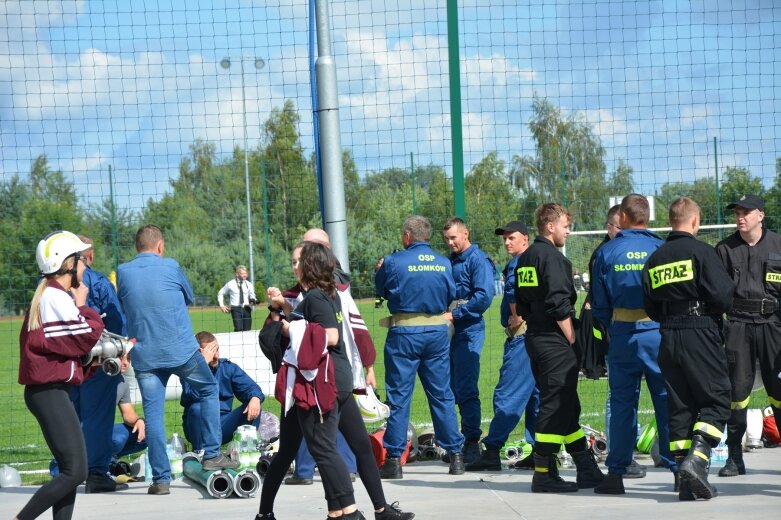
x=418 y=284
x=752 y=256
x=545 y=297
x=686 y=289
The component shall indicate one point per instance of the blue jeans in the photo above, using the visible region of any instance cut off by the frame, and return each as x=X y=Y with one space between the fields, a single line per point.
x=229 y=422
x=95 y=402
x=465 y=349
x=425 y=351
x=305 y=463
x=125 y=442
x=632 y=356
x=515 y=392
x=152 y=383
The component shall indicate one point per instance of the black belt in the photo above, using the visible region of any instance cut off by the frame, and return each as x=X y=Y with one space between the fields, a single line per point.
x=686 y=308
x=763 y=306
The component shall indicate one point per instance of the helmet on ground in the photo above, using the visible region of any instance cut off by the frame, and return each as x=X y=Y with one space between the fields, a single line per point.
x=55 y=248
x=9 y=477
x=371 y=408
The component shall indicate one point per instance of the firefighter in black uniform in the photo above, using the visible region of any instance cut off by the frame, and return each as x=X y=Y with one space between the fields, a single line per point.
x=752 y=256
x=686 y=289
x=545 y=297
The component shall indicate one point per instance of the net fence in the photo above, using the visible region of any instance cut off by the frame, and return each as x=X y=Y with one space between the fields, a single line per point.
x=198 y=117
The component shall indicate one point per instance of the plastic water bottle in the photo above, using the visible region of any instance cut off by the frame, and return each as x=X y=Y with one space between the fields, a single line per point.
x=719 y=456
x=175 y=450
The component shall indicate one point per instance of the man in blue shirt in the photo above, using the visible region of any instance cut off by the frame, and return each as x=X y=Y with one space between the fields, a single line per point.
x=154 y=293
x=473 y=273
x=232 y=382
x=95 y=399
x=516 y=389
x=617 y=300
x=418 y=284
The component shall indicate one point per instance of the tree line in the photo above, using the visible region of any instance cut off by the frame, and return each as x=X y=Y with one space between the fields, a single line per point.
x=204 y=213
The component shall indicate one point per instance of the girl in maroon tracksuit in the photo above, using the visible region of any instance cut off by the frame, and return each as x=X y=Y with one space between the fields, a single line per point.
x=58 y=329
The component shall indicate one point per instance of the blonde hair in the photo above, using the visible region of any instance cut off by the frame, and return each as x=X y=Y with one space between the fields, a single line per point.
x=34 y=314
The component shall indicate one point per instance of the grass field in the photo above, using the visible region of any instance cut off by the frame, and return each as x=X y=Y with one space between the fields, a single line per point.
x=22 y=445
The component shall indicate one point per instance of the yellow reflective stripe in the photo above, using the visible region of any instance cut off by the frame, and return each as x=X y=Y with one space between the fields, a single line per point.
x=708 y=429
x=773 y=277
x=551 y=438
x=681 y=445
x=527 y=276
x=739 y=405
x=597 y=333
x=540 y=470
x=572 y=437
x=700 y=455
x=673 y=272
x=774 y=402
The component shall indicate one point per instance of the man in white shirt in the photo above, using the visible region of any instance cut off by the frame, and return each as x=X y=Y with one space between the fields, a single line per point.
x=241 y=296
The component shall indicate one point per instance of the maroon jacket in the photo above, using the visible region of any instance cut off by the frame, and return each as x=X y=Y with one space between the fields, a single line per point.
x=50 y=353
x=312 y=354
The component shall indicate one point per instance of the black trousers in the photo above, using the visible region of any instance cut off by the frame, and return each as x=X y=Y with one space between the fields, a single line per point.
x=694 y=367
x=747 y=343
x=52 y=407
x=555 y=367
x=299 y=423
x=242 y=318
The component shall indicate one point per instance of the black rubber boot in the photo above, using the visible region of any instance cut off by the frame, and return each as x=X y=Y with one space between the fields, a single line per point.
x=589 y=474
x=489 y=461
x=391 y=470
x=694 y=468
x=681 y=486
x=735 y=465
x=471 y=451
x=546 y=477
x=456 y=464
x=612 y=485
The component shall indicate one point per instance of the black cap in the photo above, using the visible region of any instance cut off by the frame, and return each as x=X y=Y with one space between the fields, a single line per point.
x=515 y=225
x=748 y=202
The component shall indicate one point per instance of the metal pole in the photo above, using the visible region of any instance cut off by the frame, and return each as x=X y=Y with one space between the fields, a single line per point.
x=246 y=178
x=718 y=187
x=266 y=224
x=334 y=209
x=114 y=248
x=456 y=131
x=412 y=176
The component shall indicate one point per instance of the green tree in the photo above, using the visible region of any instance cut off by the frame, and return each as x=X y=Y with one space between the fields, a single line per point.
x=568 y=167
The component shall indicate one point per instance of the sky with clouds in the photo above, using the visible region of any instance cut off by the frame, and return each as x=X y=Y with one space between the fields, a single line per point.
x=132 y=83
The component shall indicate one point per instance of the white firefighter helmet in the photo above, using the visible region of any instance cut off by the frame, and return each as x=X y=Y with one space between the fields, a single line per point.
x=371 y=408
x=55 y=248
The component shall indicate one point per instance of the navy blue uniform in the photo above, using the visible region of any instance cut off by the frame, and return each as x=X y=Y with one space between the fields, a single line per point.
x=231 y=381
x=516 y=390
x=545 y=296
x=96 y=399
x=617 y=299
x=473 y=273
x=686 y=289
x=417 y=283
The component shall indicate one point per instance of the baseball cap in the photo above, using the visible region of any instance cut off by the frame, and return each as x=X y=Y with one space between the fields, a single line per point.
x=515 y=225
x=748 y=202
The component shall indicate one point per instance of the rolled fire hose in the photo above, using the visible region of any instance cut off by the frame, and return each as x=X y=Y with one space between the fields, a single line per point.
x=218 y=484
x=246 y=483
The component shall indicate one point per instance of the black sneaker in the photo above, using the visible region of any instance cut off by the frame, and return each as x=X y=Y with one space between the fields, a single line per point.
x=102 y=483
x=220 y=462
x=393 y=512
x=635 y=470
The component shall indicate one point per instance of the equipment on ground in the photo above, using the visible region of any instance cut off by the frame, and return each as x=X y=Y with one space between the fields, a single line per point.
x=218 y=484
x=107 y=351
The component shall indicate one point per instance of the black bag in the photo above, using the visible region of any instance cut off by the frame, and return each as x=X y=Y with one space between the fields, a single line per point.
x=592 y=349
x=270 y=341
